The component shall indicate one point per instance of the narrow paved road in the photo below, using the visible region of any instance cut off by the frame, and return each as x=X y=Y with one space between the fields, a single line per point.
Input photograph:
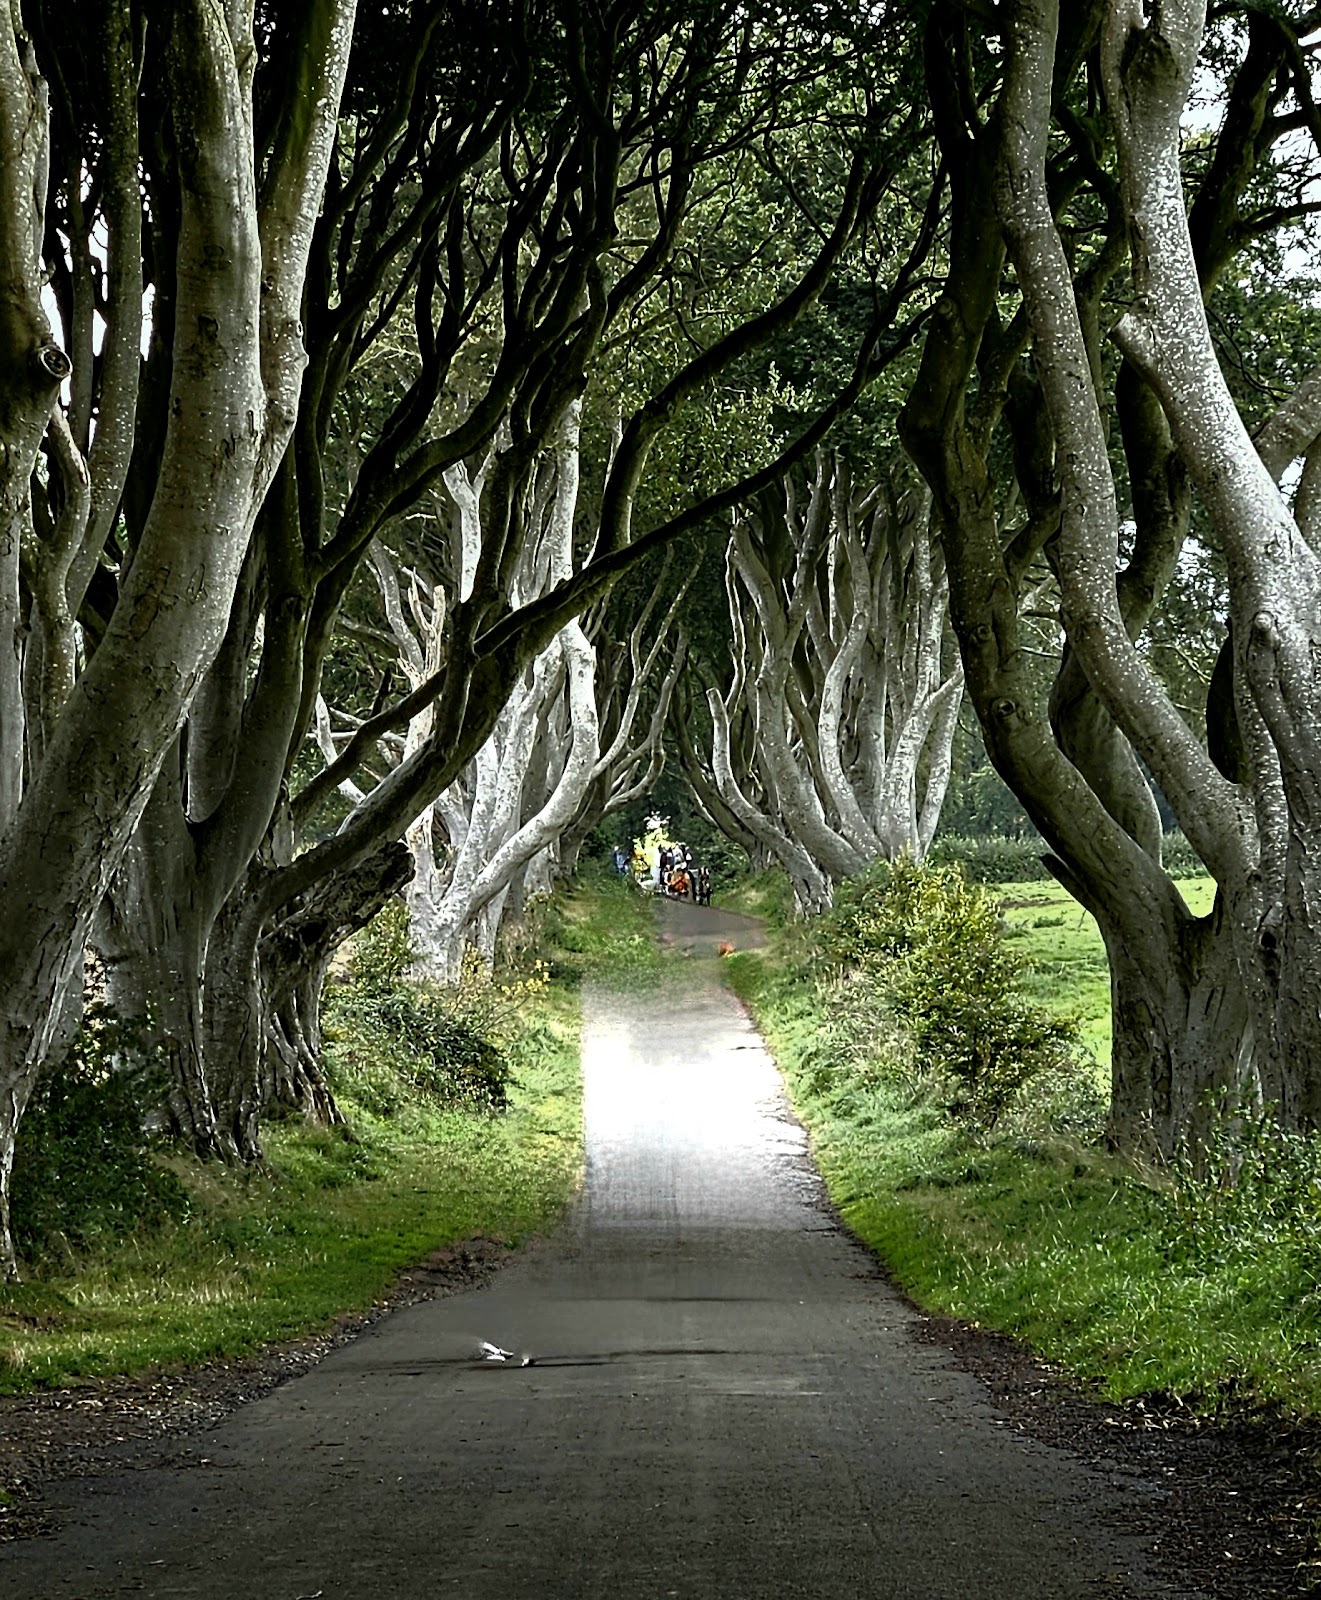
x=725 y=1401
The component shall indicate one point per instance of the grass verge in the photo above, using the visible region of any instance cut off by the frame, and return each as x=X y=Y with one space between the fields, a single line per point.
x=603 y=927
x=759 y=894
x=1137 y=1282
x=324 y=1231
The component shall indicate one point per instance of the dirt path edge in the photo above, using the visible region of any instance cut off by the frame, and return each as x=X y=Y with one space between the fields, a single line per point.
x=129 y=1423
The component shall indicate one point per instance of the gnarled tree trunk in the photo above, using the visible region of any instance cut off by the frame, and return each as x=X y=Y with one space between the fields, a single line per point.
x=838 y=611
x=238 y=359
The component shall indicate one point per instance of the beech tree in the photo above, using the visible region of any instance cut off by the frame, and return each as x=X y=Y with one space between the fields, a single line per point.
x=402 y=190
x=505 y=233
x=1072 y=182
x=840 y=693
x=230 y=234
x=566 y=726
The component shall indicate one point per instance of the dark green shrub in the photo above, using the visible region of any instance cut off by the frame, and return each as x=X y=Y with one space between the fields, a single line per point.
x=931 y=943
x=992 y=858
x=854 y=927
x=442 y=1054
x=388 y=1033
x=85 y=1166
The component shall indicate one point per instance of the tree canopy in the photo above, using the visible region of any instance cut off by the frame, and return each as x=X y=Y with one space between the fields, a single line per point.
x=293 y=289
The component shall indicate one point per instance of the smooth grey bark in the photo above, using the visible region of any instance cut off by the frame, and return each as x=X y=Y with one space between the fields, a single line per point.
x=32 y=367
x=1274 y=887
x=701 y=780
x=811 y=886
x=151 y=933
x=238 y=360
x=1233 y=825
x=838 y=609
x=1198 y=1003
x=495 y=818
x=630 y=762
x=209 y=810
x=1167 y=1058
x=1167 y=968
x=499 y=824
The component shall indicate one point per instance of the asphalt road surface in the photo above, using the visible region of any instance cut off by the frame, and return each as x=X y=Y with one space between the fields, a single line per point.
x=724 y=1400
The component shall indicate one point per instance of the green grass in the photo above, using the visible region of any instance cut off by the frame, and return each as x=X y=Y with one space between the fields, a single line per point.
x=324 y=1232
x=765 y=894
x=1088 y=1258
x=330 y=1223
x=1066 y=964
x=604 y=927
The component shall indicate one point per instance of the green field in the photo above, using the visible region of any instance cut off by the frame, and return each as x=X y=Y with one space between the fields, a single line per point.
x=1065 y=965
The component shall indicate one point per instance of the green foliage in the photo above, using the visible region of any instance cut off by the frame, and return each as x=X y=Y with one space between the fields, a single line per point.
x=932 y=945
x=382 y=953
x=1179 y=858
x=860 y=925
x=1247 y=1191
x=85 y=1168
x=978 y=803
x=992 y=858
x=1141 y=1283
x=601 y=926
x=767 y=894
x=442 y=1054
x=447 y=1042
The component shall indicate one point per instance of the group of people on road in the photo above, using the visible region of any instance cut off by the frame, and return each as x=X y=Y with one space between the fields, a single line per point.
x=671 y=872
x=681 y=877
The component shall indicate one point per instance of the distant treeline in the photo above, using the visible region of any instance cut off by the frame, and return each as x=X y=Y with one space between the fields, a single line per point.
x=995 y=858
